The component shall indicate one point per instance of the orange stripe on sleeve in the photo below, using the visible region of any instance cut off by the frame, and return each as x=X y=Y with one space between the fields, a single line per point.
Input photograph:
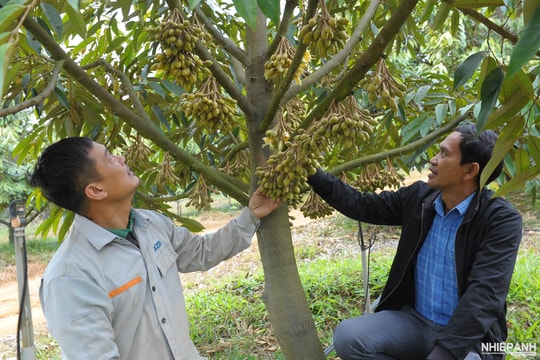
x=125 y=287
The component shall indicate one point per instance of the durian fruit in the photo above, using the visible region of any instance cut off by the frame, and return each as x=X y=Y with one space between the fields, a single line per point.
x=200 y=195
x=277 y=66
x=177 y=39
x=375 y=176
x=138 y=155
x=324 y=34
x=315 y=207
x=210 y=110
x=383 y=89
x=166 y=174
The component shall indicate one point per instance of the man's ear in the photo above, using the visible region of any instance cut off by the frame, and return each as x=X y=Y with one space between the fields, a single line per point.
x=95 y=192
x=472 y=170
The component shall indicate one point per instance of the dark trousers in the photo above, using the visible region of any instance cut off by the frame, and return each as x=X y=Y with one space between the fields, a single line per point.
x=388 y=335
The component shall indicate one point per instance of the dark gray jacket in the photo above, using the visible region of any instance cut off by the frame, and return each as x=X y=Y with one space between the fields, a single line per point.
x=486 y=247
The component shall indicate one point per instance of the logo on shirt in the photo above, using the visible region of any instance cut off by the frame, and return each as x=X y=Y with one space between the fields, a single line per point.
x=157 y=245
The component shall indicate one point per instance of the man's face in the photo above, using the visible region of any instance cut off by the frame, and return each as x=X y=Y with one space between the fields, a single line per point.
x=446 y=172
x=116 y=179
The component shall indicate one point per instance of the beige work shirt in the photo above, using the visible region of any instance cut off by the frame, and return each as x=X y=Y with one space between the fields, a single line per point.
x=104 y=298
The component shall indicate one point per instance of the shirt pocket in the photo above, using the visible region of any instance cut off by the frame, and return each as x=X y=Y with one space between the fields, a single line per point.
x=165 y=258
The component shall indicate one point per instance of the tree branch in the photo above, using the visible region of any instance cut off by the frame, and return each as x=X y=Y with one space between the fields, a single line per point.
x=128 y=87
x=223 y=79
x=365 y=62
x=238 y=70
x=288 y=11
x=286 y=81
x=505 y=34
x=337 y=59
x=433 y=135
x=47 y=91
x=228 y=45
x=145 y=128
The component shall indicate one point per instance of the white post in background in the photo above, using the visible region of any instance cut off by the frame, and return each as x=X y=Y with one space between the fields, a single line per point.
x=24 y=329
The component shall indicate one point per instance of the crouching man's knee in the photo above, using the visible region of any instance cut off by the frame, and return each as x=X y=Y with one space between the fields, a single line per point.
x=348 y=342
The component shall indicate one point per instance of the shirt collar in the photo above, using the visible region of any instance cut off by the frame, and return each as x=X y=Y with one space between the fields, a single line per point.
x=123 y=233
x=461 y=208
x=97 y=235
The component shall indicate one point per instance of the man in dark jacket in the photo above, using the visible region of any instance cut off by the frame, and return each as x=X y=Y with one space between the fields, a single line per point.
x=446 y=291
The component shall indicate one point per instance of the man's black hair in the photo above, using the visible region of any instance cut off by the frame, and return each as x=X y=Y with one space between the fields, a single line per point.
x=63 y=170
x=478 y=147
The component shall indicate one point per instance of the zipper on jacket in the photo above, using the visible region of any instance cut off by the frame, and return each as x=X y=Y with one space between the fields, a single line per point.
x=410 y=257
x=464 y=222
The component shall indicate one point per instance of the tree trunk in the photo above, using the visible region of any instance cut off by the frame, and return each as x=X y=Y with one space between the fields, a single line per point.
x=284 y=296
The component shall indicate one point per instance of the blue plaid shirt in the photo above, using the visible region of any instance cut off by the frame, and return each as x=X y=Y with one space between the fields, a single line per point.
x=436 y=287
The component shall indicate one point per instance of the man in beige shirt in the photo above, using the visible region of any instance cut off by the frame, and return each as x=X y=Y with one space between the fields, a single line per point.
x=112 y=290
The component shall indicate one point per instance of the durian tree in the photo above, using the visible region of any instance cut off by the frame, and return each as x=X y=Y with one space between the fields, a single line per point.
x=207 y=97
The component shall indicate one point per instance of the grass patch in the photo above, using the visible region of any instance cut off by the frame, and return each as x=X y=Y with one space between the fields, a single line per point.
x=37 y=251
x=233 y=313
x=523 y=315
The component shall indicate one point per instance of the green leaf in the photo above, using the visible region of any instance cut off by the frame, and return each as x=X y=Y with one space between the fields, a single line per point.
x=67 y=220
x=516 y=92
x=26 y=144
x=191 y=224
x=522 y=160
x=4 y=37
x=415 y=125
x=430 y=4
x=507 y=110
x=172 y=87
x=161 y=116
x=518 y=180
x=125 y=5
x=193 y=3
x=489 y=93
x=62 y=98
x=270 y=8
x=529 y=7
x=488 y=65
x=116 y=44
x=441 y=15
x=440 y=112
x=247 y=9
x=76 y=19
x=505 y=141
x=533 y=145
x=74 y=4
x=158 y=89
x=527 y=45
x=6 y=50
x=53 y=16
x=9 y=14
x=12 y=72
x=465 y=71
x=421 y=94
